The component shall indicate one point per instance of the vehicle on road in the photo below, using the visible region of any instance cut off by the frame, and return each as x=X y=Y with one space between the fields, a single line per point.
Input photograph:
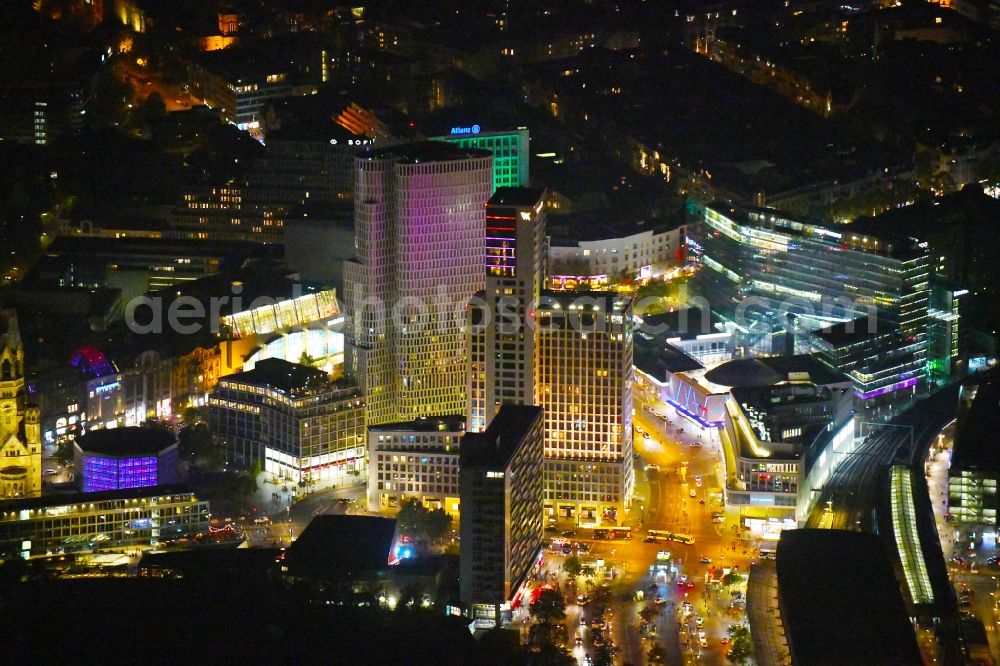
x=697 y=481
x=718 y=518
x=579 y=641
x=652 y=468
x=705 y=560
x=569 y=533
x=551 y=528
x=679 y=430
x=645 y=435
x=665 y=535
x=693 y=493
x=695 y=445
x=725 y=640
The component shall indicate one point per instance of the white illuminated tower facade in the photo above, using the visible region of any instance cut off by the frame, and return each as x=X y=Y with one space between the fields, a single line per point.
x=584 y=385
x=501 y=343
x=419 y=215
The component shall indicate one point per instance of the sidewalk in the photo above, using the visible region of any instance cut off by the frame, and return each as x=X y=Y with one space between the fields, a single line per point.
x=937 y=485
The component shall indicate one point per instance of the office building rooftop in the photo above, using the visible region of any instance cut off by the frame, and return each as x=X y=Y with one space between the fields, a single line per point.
x=427 y=151
x=852 y=332
x=445 y=423
x=516 y=196
x=585 y=301
x=126 y=441
x=281 y=375
x=340 y=546
x=976 y=443
x=846 y=609
x=657 y=359
x=496 y=445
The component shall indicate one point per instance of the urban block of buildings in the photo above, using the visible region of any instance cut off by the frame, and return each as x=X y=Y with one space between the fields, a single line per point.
x=784 y=423
x=592 y=247
x=780 y=282
x=788 y=422
x=292 y=420
x=415 y=460
x=109 y=519
x=975 y=463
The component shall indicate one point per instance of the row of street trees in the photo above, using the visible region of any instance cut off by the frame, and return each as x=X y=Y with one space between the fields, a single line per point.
x=547 y=636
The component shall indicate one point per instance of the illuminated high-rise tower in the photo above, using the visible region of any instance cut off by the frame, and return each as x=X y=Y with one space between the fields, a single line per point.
x=584 y=384
x=419 y=212
x=502 y=344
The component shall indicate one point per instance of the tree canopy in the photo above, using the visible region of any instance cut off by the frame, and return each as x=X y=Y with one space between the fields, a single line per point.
x=549 y=607
x=415 y=519
x=741 y=648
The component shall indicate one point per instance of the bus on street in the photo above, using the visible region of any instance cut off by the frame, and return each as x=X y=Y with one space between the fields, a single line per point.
x=664 y=535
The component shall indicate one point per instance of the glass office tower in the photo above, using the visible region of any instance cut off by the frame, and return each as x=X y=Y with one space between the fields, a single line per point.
x=778 y=281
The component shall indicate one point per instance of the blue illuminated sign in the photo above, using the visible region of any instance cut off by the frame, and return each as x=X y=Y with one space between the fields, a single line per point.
x=475 y=129
x=107 y=387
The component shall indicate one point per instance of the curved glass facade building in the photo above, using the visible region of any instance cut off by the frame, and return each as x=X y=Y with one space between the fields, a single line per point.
x=780 y=283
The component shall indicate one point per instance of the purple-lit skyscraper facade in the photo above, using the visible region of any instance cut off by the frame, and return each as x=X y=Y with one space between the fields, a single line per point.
x=123 y=458
x=419 y=215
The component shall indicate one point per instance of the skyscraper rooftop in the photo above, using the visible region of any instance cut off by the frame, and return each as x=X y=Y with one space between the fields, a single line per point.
x=427 y=151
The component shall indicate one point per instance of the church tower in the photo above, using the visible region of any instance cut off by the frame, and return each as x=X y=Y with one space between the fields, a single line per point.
x=20 y=434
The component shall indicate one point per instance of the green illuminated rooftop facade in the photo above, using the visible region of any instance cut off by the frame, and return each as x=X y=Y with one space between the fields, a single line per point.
x=510 y=152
